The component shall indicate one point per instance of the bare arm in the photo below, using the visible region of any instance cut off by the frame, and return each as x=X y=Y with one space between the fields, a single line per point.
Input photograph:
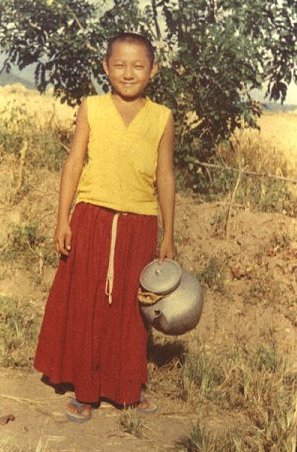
x=166 y=190
x=69 y=180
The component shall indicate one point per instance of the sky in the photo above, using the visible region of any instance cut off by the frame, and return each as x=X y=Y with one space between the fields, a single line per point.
x=290 y=99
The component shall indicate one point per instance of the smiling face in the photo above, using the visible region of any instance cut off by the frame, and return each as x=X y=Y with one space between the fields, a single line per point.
x=129 y=69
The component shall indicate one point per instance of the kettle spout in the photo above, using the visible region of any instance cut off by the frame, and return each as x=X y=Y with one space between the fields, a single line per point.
x=160 y=321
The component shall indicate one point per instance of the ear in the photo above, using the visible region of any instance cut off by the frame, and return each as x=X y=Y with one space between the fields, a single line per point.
x=154 y=70
x=105 y=67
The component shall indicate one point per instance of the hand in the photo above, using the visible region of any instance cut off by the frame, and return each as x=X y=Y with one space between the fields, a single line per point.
x=62 y=238
x=167 y=250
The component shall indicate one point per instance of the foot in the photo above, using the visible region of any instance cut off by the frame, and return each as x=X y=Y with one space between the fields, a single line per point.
x=78 y=412
x=145 y=406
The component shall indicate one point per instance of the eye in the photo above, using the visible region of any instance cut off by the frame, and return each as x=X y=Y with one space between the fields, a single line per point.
x=118 y=65
x=139 y=66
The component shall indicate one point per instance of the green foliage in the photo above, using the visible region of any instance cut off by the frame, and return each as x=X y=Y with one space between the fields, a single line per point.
x=49 y=34
x=209 y=75
x=18 y=331
x=211 y=54
x=223 y=51
x=64 y=38
x=214 y=183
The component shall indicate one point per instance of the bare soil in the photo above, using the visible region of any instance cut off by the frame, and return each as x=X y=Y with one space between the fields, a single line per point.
x=251 y=300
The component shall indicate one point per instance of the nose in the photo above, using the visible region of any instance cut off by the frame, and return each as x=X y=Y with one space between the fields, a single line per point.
x=128 y=72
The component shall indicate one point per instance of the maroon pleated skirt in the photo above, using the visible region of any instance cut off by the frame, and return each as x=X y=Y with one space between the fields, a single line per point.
x=98 y=347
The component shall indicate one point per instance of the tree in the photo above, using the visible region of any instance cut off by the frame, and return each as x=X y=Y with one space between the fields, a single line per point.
x=64 y=38
x=224 y=49
x=213 y=52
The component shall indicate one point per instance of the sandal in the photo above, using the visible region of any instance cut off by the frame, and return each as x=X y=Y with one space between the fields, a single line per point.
x=145 y=406
x=78 y=417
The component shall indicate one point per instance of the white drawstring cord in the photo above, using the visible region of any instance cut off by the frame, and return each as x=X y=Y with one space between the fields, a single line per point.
x=110 y=271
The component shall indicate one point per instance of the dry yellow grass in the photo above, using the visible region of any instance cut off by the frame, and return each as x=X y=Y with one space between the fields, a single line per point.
x=42 y=107
x=273 y=147
x=281 y=130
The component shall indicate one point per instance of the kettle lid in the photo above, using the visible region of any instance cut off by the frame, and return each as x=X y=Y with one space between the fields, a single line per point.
x=161 y=277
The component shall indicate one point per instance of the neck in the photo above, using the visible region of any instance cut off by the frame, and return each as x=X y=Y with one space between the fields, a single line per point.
x=127 y=100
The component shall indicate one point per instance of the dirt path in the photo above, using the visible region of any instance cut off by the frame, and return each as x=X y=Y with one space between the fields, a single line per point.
x=40 y=423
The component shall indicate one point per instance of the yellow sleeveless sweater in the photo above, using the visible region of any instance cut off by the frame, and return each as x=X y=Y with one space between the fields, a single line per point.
x=122 y=161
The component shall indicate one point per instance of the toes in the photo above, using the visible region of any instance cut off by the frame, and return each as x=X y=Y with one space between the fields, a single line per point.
x=144 y=404
x=85 y=411
x=72 y=408
x=82 y=409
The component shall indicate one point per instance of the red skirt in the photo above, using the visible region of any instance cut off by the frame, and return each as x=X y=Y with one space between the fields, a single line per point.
x=98 y=347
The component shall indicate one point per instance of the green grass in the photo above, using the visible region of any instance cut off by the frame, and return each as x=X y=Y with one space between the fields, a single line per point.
x=256 y=385
x=213 y=275
x=18 y=332
x=130 y=422
x=200 y=440
x=28 y=248
x=201 y=374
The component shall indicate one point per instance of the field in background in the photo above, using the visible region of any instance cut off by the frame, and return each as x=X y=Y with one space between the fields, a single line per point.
x=44 y=108
x=229 y=385
x=281 y=130
x=278 y=131
x=277 y=136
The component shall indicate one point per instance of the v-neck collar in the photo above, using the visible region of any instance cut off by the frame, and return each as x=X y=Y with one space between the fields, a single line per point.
x=135 y=117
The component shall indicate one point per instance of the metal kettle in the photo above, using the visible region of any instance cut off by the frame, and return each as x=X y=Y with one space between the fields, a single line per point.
x=180 y=307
